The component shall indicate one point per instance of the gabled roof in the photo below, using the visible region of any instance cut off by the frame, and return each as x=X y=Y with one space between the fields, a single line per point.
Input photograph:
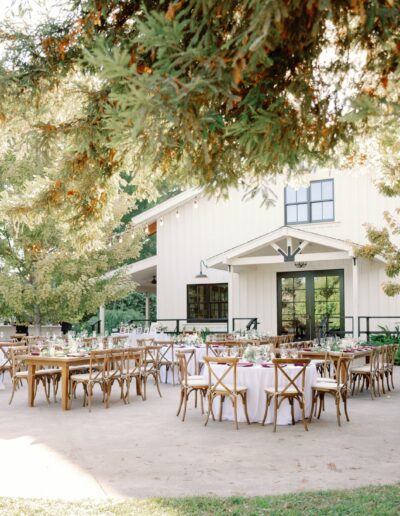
x=274 y=236
x=151 y=215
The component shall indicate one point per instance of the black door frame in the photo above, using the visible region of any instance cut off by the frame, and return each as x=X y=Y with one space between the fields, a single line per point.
x=310 y=275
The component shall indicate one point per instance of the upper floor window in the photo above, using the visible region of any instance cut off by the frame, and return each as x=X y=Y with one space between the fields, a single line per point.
x=312 y=204
x=207 y=302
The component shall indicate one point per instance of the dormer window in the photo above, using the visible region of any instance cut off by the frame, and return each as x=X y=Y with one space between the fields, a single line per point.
x=312 y=204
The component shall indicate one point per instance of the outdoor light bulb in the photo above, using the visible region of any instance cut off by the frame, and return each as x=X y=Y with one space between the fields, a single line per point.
x=177 y=214
x=133 y=236
x=161 y=221
x=120 y=240
x=146 y=230
x=195 y=204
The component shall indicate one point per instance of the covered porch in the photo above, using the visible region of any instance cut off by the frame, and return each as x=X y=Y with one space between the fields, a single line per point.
x=295 y=281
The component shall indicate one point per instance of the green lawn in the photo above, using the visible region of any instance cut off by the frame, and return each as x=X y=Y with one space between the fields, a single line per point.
x=383 y=500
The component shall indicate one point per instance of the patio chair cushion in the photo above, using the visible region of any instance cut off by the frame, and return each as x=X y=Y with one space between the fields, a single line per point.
x=361 y=369
x=290 y=390
x=327 y=386
x=239 y=388
x=196 y=382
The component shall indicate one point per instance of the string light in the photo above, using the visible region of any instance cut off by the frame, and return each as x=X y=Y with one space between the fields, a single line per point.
x=146 y=230
x=161 y=221
x=177 y=214
x=120 y=240
x=133 y=236
x=195 y=204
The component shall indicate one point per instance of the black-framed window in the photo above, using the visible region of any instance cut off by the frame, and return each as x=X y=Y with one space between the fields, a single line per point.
x=313 y=204
x=207 y=302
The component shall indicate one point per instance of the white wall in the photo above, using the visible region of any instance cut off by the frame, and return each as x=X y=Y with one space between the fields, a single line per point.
x=216 y=226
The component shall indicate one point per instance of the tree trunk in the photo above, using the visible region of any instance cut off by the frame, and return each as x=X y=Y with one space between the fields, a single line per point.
x=38 y=321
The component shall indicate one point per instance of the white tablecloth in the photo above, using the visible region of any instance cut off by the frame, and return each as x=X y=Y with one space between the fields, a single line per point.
x=257 y=379
x=133 y=337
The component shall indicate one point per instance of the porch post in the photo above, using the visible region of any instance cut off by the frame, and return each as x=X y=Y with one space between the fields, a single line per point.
x=230 y=299
x=102 y=317
x=147 y=307
x=355 y=297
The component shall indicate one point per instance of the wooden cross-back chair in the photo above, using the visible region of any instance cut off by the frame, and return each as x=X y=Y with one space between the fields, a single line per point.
x=338 y=388
x=19 y=373
x=151 y=367
x=291 y=391
x=99 y=367
x=189 y=383
x=366 y=375
x=167 y=358
x=392 y=352
x=224 y=385
x=132 y=371
x=148 y=341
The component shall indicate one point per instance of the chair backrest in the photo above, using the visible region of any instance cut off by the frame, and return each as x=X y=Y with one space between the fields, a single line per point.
x=342 y=362
x=184 y=357
x=145 y=341
x=282 y=374
x=132 y=361
x=167 y=350
x=392 y=352
x=99 y=364
x=17 y=356
x=151 y=357
x=382 y=356
x=219 y=381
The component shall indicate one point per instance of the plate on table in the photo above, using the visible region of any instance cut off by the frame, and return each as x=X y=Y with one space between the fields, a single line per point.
x=245 y=364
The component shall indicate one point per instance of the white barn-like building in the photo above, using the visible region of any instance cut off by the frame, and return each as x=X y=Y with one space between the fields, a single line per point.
x=288 y=265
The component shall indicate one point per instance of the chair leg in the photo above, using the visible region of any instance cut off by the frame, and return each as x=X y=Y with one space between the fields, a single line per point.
x=157 y=382
x=202 y=395
x=180 y=402
x=353 y=384
x=344 y=398
x=321 y=401
x=303 y=414
x=266 y=410
x=292 y=409
x=209 y=409
x=144 y=387
x=235 y=411
x=337 y=400
x=90 y=393
x=244 y=400
x=312 y=406
x=391 y=378
x=275 y=411
x=185 y=400
x=13 y=392
x=387 y=380
x=221 y=406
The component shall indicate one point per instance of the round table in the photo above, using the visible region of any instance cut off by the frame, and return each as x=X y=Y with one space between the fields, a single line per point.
x=257 y=379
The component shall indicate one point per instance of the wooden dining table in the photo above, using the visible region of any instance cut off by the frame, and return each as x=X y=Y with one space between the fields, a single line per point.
x=64 y=363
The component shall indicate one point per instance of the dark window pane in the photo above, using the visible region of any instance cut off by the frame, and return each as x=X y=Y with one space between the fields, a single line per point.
x=207 y=302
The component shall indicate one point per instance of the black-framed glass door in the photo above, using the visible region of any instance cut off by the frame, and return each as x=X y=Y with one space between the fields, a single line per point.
x=305 y=299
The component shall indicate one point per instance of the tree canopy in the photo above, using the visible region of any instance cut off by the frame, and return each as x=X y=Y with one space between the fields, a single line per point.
x=197 y=91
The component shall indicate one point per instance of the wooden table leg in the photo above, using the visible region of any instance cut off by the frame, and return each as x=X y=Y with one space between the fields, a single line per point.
x=65 y=387
x=31 y=384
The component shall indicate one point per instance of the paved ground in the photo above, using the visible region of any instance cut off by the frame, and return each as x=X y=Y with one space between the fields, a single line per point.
x=144 y=450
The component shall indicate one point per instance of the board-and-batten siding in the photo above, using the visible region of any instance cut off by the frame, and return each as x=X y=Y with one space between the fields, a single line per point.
x=216 y=226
